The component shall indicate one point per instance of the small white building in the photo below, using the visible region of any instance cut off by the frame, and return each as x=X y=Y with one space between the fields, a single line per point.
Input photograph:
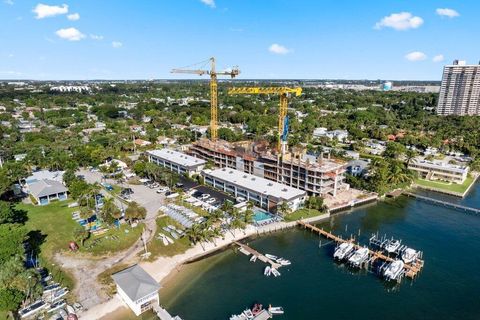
x=439 y=170
x=175 y=161
x=340 y=135
x=264 y=193
x=137 y=289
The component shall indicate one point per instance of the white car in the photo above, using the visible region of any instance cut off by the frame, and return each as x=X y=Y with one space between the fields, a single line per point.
x=205 y=196
x=210 y=201
x=162 y=189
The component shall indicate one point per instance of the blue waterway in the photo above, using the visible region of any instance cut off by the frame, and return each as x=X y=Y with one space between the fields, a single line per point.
x=315 y=287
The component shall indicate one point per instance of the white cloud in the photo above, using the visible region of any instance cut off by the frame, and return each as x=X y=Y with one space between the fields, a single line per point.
x=70 y=34
x=45 y=11
x=117 y=44
x=446 y=12
x=210 y=3
x=438 y=58
x=400 y=21
x=96 y=37
x=278 y=49
x=73 y=17
x=416 y=56
x=9 y=2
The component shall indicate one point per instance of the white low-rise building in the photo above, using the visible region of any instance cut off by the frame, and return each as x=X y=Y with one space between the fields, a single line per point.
x=137 y=289
x=264 y=193
x=340 y=135
x=439 y=170
x=176 y=161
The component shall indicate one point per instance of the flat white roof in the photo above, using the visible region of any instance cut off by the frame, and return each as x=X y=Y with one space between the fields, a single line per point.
x=256 y=184
x=440 y=165
x=176 y=157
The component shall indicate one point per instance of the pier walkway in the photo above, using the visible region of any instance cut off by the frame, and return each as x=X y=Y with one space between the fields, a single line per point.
x=163 y=314
x=443 y=203
x=411 y=270
x=248 y=251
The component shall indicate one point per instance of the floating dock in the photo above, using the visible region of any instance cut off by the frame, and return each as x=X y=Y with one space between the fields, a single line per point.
x=443 y=203
x=250 y=251
x=410 y=270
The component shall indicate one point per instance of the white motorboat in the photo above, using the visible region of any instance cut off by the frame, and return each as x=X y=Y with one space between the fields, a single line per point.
x=343 y=250
x=267 y=271
x=271 y=256
x=275 y=272
x=392 y=246
x=359 y=257
x=276 y=310
x=162 y=237
x=169 y=240
x=253 y=258
x=283 y=262
x=409 y=255
x=394 y=270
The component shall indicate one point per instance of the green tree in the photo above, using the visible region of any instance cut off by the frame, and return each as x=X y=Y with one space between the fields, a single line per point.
x=80 y=234
x=135 y=212
x=284 y=209
x=10 y=299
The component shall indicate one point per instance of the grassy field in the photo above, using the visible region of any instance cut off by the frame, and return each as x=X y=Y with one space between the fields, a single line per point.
x=303 y=214
x=450 y=187
x=105 y=278
x=156 y=246
x=115 y=239
x=55 y=225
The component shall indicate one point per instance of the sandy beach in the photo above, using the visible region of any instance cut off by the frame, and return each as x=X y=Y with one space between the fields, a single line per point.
x=163 y=266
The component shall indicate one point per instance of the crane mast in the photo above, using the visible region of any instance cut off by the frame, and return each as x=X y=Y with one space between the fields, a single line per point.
x=213 y=90
x=284 y=93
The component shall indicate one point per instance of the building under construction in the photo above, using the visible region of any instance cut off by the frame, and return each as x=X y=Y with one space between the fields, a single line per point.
x=317 y=175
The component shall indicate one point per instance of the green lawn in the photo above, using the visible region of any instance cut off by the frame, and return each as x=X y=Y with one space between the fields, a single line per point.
x=303 y=214
x=156 y=246
x=115 y=239
x=451 y=187
x=55 y=225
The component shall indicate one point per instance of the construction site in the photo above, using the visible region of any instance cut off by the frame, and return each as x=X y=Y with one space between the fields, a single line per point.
x=316 y=174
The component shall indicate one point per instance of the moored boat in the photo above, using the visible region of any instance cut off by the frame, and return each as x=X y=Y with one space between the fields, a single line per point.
x=343 y=250
x=283 y=262
x=32 y=308
x=267 y=271
x=271 y=256
x=409 y=255
x=394 y=270
x=359 y=257
x=275 y=272
x=276 y=310
x=392 y=246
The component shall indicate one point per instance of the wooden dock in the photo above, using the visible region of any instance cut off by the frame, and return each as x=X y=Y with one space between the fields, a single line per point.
x=443 y=203
x=411 y=270
x=250 y=251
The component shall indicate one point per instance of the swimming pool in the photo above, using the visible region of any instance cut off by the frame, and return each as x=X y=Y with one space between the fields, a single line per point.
x=260 y=215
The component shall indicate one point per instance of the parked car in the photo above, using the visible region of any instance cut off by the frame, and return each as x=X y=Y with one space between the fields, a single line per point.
x=205 y=196
x=127 y=191
x=211 y=200
x=107 y=186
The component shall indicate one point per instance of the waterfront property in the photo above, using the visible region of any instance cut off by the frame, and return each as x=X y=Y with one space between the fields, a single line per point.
x=264 y=193
x=317 y=175
x=439 y=170
x=137 y=289
x=175 y=161
x=45 y=186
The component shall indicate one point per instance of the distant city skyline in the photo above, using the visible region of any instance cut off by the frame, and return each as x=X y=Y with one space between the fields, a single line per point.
x=271 y=39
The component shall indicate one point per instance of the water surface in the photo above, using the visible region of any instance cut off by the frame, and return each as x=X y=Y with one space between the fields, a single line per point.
x=315 y=287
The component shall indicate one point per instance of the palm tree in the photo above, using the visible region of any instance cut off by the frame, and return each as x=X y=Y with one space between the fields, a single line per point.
x=195 y=234
x=109 y=210
x=284 y=209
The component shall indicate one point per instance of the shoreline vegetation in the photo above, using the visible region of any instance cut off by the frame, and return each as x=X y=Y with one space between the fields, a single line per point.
x=164 y=267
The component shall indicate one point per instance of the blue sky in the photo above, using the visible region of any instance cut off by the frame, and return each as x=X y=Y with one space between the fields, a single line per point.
x=268 y=39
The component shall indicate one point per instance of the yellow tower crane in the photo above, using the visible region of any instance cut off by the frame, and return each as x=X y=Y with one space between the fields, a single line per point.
x=213 y=90
x=284 y=93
